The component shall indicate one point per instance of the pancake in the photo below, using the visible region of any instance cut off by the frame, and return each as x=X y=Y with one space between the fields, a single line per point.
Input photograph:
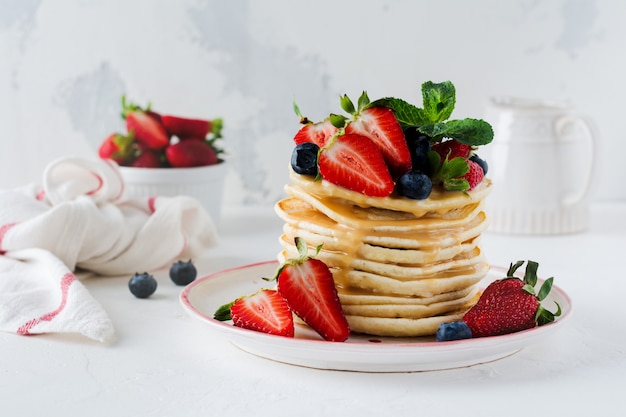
x=401 y=267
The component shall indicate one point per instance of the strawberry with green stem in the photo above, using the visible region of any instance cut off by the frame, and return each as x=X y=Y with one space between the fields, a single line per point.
x=318 y=133
x=308 y=286
x=117 y=147
x=378 y=124
x=145 y=125
x=265 y=311
x=506 y=306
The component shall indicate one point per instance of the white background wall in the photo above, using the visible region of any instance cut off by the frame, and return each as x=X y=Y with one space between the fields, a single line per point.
x=64 y=65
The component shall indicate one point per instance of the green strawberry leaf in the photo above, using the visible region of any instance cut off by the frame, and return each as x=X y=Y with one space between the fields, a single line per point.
x=530 y=276
x=448 y=172
x=223 y=312
x=346 y=104
x=363 y=102
x=544 y=316
x=439 y=100
x=545 y=289
x=513 y=268
x=338 y=120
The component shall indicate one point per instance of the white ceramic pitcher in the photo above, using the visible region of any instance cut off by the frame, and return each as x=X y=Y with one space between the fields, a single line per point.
x=542 y=162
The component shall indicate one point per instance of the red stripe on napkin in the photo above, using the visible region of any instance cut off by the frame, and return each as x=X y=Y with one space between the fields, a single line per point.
x=66 y=281
x=3 y=229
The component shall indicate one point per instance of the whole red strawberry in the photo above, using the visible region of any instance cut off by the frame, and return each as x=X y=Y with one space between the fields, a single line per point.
x=148 y=159
x=116 y=147
x=506 y=306
x=184 y=127
x=511 y=304
x=475 y=174
x=190 y=153
x=308 y=286
x=452 y=149
x=264 y=311
x=356 y=163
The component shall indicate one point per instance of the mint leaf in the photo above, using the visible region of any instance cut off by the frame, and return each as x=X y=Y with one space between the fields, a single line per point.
x=473 y=132
x=439 y=100
x=406 y=113
x=434 y=130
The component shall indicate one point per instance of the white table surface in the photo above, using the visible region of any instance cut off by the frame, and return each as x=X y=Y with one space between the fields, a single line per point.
x=166 y=363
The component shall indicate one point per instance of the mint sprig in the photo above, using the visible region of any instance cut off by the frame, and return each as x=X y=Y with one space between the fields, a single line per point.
x=439 y=100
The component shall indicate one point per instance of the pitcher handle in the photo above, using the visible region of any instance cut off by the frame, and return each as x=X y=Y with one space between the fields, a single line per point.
x=592 y=136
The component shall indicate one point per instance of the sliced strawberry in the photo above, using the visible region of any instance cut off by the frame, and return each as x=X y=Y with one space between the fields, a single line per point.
x=264 y=311
x=308 y=286
x=380 y=125
x=190 y=153
x=355 y=162
x=452 y=149
x=183 y=127
x=148 y=159
x=116 y=147
x=147 y=130
x=318 y=133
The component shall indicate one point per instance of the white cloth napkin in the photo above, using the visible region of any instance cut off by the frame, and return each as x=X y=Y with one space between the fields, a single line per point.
x=80 y=218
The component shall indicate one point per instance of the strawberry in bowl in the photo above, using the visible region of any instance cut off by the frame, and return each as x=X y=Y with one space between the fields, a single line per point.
x=165 y=155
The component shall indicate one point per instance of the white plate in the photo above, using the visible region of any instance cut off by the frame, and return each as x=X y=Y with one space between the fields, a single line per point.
x=360 y=352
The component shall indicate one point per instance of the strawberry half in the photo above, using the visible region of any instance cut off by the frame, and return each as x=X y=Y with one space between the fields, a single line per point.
x=190 y=153
x=308 y=286
x=146 y=129
x=264 y=311
x=183 y=127
x=380 y=125
x=355 y=162
x=318 y=133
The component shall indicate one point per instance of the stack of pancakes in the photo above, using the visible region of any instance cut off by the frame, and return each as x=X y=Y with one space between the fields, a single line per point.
x=401 y=266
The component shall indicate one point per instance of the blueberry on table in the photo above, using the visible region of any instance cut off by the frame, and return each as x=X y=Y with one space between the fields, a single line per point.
x=183 y=273
x=304 y=158
x=415 y=185
x=456 y=330
x=142 y=285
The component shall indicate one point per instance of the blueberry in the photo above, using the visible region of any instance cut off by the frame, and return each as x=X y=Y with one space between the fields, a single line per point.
x=304 y=158
x=142 y=285
x=483 y=164
x=183 y=273
x=419 y=145
x=456 y=330
x=414 y=184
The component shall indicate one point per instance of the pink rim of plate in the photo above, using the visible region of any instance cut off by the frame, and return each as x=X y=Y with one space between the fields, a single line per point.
x=365 y=344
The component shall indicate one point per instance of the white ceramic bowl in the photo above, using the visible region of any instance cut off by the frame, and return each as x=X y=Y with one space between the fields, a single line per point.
x=206 y=184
